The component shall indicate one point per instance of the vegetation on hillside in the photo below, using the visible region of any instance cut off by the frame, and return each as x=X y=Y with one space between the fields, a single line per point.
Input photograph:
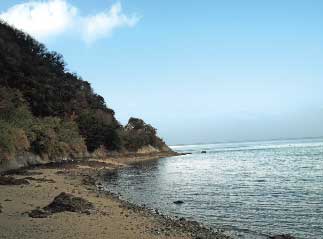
x=21 y=131
x=137 y=133
x=50 y=111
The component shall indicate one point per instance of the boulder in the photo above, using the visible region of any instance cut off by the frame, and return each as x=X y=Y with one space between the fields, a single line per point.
x=64 y=202
x=67 y=202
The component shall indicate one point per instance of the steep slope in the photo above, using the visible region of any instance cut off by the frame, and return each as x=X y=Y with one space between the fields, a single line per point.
x=46 y=110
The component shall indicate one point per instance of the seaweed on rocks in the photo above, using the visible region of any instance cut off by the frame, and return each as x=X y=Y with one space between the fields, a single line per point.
x=64 y=202
x=40 y=179
x=12 y=181
x=68 y=202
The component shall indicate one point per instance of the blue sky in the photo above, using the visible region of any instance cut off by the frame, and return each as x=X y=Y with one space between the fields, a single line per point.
x=200 y=71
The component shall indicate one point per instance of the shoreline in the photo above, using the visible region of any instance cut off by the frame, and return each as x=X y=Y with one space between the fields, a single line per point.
x=112 y=218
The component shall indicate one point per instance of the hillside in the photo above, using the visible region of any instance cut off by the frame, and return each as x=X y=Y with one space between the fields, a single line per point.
x=50 y=112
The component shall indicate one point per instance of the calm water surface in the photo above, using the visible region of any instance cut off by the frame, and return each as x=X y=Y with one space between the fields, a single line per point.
x=249 y=189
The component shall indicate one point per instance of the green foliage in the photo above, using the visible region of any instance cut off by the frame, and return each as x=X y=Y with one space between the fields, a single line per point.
x=50 y=90
x=11 y=140
x=99 y=129
x=19 y=129
x=15 y=118
x=137 y=134
x=14 y=109
x=42 y=77
x=41 y=99
x=55 y=137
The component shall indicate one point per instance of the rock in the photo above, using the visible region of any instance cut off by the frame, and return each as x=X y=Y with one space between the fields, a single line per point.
x=12 y=181
x=60 y=172
x=203 y=152
x=67 y=202
x=39 y=213
x=88 y=180
x=22 y=172
x=283 y=236
x=62 y=203
x=178 y=202
x=40 y=179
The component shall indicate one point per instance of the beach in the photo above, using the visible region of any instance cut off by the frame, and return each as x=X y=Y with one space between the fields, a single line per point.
x=110 y=218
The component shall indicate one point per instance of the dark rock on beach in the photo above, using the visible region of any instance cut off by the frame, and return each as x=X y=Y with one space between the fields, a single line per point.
x=64 y=202
x=39 y=213
x=67 y=202
x=12 y=181
x=40 y=180
x=22 y=172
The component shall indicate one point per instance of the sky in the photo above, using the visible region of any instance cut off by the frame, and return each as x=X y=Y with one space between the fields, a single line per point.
x=199 y=71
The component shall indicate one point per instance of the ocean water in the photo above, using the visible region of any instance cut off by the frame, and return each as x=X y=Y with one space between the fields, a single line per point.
x=251 y=189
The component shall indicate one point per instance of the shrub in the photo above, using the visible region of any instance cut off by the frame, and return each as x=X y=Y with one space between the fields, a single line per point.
x=14 y=109
x=12 y=140
x=99 y=128
x=137 y=134
x=56 y=137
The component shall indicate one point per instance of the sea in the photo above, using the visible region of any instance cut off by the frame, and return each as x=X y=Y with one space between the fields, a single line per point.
x=248 y=189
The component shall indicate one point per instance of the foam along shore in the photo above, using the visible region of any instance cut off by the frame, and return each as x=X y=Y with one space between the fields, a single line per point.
x=28 y=196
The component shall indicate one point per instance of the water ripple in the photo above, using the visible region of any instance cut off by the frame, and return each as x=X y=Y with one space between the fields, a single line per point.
x=250 y=189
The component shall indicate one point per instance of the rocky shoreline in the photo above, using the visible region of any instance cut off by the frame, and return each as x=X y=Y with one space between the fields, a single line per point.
x=196 y=229
x=72 y=192
x=168 y=224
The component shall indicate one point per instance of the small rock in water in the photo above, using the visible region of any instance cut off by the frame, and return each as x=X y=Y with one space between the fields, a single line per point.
x=284 y=236
x=178 y=202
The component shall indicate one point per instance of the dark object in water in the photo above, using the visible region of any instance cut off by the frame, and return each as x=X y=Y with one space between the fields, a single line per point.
x=12 y=181
x=178 y=202
x=203 y=152
x=283 y=236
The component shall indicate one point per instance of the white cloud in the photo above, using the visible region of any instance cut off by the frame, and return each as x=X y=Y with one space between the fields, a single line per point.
x=102 y=24
x=43 y=19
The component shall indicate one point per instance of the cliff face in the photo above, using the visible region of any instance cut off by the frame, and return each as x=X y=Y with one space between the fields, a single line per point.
x=52 y=113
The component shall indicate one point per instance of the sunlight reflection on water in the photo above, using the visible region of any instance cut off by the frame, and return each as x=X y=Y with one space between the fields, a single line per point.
x=245 y=188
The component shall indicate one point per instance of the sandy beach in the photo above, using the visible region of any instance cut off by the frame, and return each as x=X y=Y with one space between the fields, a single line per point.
x=110 y=218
